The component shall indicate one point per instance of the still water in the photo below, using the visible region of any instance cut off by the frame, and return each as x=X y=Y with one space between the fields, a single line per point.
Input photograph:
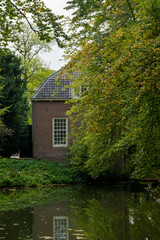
x=99 y=212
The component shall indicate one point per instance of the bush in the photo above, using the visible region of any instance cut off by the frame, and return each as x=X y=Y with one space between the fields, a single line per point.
x=23 y=172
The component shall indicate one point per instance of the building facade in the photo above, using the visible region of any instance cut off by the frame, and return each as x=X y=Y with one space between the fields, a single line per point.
x=51 y=126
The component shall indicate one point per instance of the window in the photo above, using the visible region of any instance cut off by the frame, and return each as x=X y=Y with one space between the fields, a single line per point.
x=60 y=228
x=60 y=131
x=78 y=92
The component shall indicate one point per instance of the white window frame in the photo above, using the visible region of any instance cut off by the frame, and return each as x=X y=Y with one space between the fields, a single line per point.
x=61 y=233
x=77 y=93
x=53 y=133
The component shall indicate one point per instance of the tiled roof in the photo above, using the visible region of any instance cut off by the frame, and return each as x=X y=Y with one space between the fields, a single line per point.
x=55 y=87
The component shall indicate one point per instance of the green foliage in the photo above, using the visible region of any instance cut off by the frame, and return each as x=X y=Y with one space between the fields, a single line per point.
x=12 y=98
x=14 y=13
x=118 y=63
x=28 y=48
x=4 y=131
x=41 y=72
x=34 y=70
x=22 y=172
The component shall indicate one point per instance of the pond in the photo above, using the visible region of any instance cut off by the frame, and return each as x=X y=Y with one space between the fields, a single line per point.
x=92 y=212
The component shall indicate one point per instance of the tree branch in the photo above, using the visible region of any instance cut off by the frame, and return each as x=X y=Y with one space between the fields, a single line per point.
x=22 y=15
x=131 y=9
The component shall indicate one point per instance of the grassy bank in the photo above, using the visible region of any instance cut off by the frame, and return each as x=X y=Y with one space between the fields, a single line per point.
x=28 y=173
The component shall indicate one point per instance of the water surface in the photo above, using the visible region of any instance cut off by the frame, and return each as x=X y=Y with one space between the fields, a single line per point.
x=99 y=212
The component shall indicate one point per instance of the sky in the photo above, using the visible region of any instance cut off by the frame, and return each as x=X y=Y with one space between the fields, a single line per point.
x=55 y=57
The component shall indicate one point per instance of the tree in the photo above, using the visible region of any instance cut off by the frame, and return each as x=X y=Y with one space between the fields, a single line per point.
x=119 y=65
x=4 y=131
x=34 y=70
x=41 y=72
x=94 y=19
x=28 y=47
x=14 y=13
x=12 y=97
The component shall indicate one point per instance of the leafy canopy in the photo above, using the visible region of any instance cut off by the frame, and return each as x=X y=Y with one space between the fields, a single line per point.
x=117 y=54
x=13 y=13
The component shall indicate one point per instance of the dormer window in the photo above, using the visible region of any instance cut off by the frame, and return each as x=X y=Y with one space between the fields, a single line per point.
x=79 y=91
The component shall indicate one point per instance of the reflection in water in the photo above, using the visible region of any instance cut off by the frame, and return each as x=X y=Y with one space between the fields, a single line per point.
x=60 y=228
x=102 y=215
x=84 y=212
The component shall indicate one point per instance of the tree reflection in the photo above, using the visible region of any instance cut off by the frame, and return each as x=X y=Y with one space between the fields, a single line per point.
x=117 y=215
x=100 y=219
x=144 y=216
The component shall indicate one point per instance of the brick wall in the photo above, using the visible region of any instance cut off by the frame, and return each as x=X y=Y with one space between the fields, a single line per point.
x=43 y=112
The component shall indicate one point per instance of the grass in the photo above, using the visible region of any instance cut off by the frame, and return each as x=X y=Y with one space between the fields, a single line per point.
x=29 y=173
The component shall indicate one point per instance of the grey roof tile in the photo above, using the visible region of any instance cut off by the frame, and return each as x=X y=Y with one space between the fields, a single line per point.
x=55 y=87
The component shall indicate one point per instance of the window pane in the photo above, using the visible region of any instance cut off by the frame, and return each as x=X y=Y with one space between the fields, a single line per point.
x=60 y=131
x=60 y=228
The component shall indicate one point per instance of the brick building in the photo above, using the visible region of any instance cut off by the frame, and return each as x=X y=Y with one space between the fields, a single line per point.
x=51 y=127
